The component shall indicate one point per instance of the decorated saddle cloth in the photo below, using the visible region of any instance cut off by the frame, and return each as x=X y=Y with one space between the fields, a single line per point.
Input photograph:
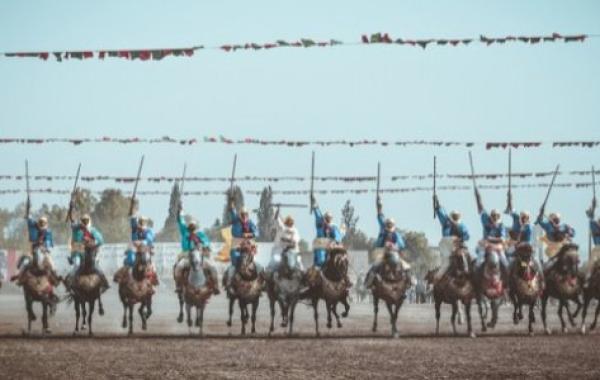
x=378 y=255
x=594 y=257
x=322 y=243
x=552 y=247
x=237 y=242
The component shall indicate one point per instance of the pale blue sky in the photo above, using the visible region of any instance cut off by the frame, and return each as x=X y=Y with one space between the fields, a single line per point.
x=511 y=92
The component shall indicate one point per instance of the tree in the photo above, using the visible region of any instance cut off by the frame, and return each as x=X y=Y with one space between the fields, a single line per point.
x=170 y=230
x=354 y=238
x=57 y=217
x=85 y=201
x=238 y=200
x=418 y=253
x=266 y=216
x=214 y=231
x=110 y=216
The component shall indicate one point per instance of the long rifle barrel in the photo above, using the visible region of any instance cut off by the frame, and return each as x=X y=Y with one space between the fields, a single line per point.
x=509 y=193
x=68 y=217
x=232 y=180
x=312 y=182
x=135 y=186
x=182 y=179
x=378 y=178
x=472 y=171
x=434 y=183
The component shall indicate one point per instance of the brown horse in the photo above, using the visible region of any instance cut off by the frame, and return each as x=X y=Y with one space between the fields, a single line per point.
x=86 y=288
x=490 y=283
x=135 y=287
x=592 y=291
x=246 y=286
x=38 y=286
x=455 y=286
x=390 y=285
x=525 y=283
x=330 y=285
x=563 y=282
x=198 y=288
x=283 y=288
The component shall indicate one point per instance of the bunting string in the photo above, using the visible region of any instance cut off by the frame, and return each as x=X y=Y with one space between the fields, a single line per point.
x=319 y=191
x=170 y=179
x=375 y=38
x=302 y=143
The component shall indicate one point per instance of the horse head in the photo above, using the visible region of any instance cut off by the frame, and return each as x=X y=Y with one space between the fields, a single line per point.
x=89 y=258
x=524 y=257
x=568 y=259
x=337 y=266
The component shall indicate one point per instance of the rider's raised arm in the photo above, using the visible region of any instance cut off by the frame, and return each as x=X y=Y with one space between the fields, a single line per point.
x=442 y=215
x=485 y=218
x=594 y=227
x=31 y=228
x=233 y=214
x=381 y=220
x=318 y=217
x=133 y=223
x=516 y=220
x=182 y=225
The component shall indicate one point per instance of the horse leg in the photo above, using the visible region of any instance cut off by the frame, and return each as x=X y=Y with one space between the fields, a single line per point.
x=254 y=308
x=188 y=314
x=83 y=314
x=92 y=304
x=45 y=328
x=438 y=306
x=335 y=314
x=315 y=305
x=453 y=317
x=197 y=323
x=243 y=315
x=480 y=301
x=531 y=318
x=284 y=307
x=468 y=316
x=272 y=311
x=593 y=325
x=516 y=308
x=346 y=307
x=543 y=312
x=560 y=314
x=231 y=302
x=390 y=308
x=100 y=305
x=200 y=311
x=130 y=309
x=375 y=311
x=574 y=315
x=77 y=315
x=180 y=316
x=328 y=308
x=148 y=307
x=142 y=313
x=124 y=323
x=494 y=304
x=292 y=308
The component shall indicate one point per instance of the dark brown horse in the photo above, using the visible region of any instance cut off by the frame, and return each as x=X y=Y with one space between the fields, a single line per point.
x=592 y=291
x=490 y=284
x=247 y=286
x=86 y=288
x=283 y=288
x=563 y=282
x=330 y=285
x=525 y=283
x=455 y=286
x=390 y=285
x=136 y=286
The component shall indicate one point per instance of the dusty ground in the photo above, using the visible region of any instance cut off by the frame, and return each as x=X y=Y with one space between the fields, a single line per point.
x=167 y=350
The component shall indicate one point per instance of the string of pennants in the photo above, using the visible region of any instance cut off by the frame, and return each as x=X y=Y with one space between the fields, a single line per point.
x=489 y=176
x=330 y=191
x=375 y=38
x=301 y=143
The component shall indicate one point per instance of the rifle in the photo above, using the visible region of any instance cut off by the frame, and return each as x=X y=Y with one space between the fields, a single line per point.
x=477 y=197
x=232 y=180
x=378 y=182
x=541 y=215
x=68 y=218
x=434 y=184
x=509 y=193
x=27 y=190
x=592 y=209
x=137 y=180
x=312 y=182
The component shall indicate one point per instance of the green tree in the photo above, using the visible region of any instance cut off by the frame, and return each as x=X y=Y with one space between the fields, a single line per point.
x=170 y=230
x=57 y=222
x=110 y=216
x=418 y=253
x=266 y=215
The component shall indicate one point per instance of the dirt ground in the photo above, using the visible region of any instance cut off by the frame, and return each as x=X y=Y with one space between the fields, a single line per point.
x=169 y=350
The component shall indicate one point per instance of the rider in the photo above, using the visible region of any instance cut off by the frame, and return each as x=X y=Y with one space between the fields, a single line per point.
x=242 y=228
x=286 y=240
x=521 y=232
x=40 y=237
x=142 y=239
x=493 y=233
x=84 y=235
x=594 y=259
x=389 y=237
x=192 y=238
x=454 y=232
x=556 y=232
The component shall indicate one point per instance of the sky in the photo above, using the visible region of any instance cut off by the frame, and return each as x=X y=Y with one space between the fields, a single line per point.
x=514 y=92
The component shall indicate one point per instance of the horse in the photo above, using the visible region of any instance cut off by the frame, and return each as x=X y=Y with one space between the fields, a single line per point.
x=563 y=282
x=590 y=292
x=197 y=290
x=135 y=287
x=38 y=286
x=490 y=283
x=283 y=288
x=246 y=286
x=330 y=285
x=525 y=283
x=455 y=286
x=84 y=289
x=390 y=285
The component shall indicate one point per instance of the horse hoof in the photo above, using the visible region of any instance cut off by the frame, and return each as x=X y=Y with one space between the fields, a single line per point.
x=592 y=326
x=144 y=327
x=565 y=330
x=32 y=318
x=582 y=330
x=395 y=335
x=484 y=329
x=101 y=311
x=46 y=331
x=124 y=325
x=344 y=314
x=90 y=333
x=228 y=323
x=339 y=325
x=180 y=318
x=253 y=331
x=329 y=325
x=83 y=328
x=374 y=329
x=515 y=321
x=130 y=333
x=548 y=331
x=472 y=335
x=531 y=333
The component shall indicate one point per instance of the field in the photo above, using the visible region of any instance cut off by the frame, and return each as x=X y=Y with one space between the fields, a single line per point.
x=169 y=350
